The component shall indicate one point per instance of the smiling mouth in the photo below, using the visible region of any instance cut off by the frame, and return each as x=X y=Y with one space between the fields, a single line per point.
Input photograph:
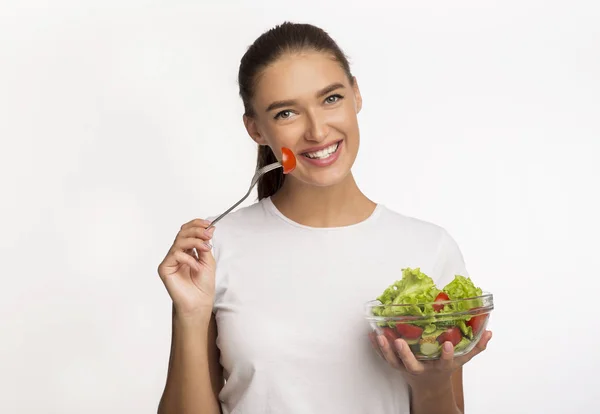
x=324 y=153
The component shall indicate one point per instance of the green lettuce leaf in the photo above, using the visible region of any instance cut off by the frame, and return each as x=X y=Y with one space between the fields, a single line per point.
x=415 y=288
x=464 y=342
x=461 y=288
x=466 y=330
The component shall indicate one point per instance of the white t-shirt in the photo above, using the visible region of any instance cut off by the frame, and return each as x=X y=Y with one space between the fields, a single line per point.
x=290 y=302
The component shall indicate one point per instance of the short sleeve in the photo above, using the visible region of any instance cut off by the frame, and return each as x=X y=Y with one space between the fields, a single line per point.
x=449 y=262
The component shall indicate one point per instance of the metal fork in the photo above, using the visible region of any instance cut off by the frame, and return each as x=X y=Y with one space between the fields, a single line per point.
x=259 y=173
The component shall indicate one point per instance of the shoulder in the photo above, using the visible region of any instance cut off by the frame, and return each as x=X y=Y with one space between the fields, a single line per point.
x=244 y=216
x=413 y=227
x=240 y=224
x=424 y=235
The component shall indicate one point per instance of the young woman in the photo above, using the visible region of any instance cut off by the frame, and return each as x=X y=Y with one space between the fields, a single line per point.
x=268 y=307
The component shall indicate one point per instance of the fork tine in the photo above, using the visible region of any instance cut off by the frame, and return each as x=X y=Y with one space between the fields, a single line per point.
x=269 y=167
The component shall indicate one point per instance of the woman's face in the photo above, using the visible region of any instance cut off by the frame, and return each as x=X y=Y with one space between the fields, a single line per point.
x=304 y=101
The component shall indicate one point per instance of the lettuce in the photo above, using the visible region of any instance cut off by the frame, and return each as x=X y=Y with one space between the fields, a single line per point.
x=417 y=292
x=461 y=288
x=415 y=288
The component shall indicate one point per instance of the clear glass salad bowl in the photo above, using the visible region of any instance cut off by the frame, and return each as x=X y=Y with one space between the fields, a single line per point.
x=426 y=326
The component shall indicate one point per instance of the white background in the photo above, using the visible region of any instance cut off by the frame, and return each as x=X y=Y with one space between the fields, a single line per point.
x=120 y=121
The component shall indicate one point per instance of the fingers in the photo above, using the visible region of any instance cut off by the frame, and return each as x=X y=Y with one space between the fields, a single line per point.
x=373 y=338
x=192 y=253
x=182 y=257
x=388 y=353
x=183 y=254
x=192 y=240
x=485 y=340
x=447 y=357
x=197 y=232
x=196 y=223
x=190 y=243
x=194 y=235
x=407 y=358
x=479 y=348
x=483 y=343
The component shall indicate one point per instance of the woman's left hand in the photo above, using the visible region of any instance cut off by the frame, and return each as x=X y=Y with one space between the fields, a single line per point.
x=399 y=356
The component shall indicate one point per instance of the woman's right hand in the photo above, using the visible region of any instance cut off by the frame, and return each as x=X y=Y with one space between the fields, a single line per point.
x=190 y=281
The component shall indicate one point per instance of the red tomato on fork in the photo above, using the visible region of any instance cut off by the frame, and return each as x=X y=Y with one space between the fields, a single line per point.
x=288 y=160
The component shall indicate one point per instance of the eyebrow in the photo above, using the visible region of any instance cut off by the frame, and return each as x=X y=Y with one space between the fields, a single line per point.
x=322 y=92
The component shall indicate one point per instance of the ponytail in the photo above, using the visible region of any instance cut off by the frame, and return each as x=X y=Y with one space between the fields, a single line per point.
x=272 y=181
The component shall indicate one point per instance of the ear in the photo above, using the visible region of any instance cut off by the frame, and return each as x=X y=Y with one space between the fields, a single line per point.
x=252 y=129
x=357 y=95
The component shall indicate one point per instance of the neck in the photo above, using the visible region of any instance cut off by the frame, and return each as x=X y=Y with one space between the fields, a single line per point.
x=339 y=205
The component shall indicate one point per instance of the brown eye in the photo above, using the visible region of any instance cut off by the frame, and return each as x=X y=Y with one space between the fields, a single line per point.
x=283 y=115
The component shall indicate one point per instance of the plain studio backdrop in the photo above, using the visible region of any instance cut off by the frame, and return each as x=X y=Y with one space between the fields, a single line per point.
x=120 y=121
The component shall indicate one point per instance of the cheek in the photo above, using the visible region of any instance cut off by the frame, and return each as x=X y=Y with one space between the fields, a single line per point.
x=345 y=121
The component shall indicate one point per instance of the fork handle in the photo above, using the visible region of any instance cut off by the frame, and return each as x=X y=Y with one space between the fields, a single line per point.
x=257 y=175
x=230 y=208
x=254 y=181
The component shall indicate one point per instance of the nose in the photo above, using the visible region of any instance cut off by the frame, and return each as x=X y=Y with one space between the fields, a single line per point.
x=317 y=129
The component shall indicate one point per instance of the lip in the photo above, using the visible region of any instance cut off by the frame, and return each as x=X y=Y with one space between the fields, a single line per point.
x=315 y=149
x=324 y=162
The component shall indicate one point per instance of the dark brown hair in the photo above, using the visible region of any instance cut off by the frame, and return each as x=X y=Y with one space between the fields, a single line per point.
x=266 y=49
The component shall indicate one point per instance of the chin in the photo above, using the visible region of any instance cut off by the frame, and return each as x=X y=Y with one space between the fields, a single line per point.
x=326 y=178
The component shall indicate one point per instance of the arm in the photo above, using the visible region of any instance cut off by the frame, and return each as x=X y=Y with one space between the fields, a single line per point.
x=447 y=398
x=195 y=377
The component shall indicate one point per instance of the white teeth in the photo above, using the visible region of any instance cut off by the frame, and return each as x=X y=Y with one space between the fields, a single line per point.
x=324 y=153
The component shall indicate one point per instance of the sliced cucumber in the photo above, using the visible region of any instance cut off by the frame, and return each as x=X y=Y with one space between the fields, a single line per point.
x=428 y=344
x=412 y=341
x=429 y=348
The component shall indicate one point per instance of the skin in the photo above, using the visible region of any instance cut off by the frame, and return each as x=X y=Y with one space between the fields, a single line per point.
x=322 y=107
x=317 y=197
x=194 y=376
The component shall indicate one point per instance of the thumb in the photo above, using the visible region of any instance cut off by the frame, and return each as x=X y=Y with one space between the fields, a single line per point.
x=206 y=258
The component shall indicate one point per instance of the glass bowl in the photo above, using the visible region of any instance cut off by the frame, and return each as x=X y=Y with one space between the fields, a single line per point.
x=426 y=326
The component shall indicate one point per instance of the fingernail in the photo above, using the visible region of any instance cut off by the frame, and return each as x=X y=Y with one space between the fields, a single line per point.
x=208 y=245
x=399 y=345
x=448 y=347
x=380 y=341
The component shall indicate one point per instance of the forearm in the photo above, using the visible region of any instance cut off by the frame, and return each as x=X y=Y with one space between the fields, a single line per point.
x=188 y=388
x=438 y=399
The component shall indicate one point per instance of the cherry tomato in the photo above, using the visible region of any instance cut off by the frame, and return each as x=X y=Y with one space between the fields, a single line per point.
x=288 y=160
x=477 y=322
x=441 y=297
x=390 y=335
x=408 y=331
x=452 y=334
